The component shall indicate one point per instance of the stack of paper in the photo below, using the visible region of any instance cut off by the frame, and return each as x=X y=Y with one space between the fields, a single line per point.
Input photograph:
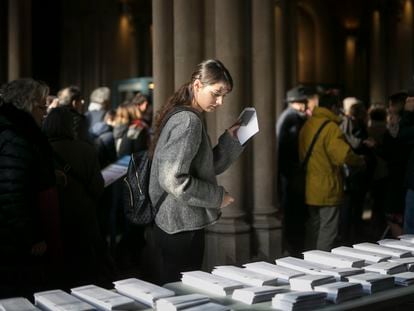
x=308 y=282
x=181 y=302
x=404 y=278
x=332 y=259
x=244 y=276
x=16 y=304
x=409 y=262
x=142 y=291
x=282 y=274
x=252 y=295
x=103 y=299
x=211 y=283
x=299 y=300
x=316 y=268
x=386 y=267
x=407 y=237
x=58 y=300
x=371 y=247
x=400 y=244
x=340 y=291
x=369 y=257
x=209 y=306
x=373 y=282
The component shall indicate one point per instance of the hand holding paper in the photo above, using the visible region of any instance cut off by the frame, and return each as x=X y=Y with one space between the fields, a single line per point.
x=249 y=125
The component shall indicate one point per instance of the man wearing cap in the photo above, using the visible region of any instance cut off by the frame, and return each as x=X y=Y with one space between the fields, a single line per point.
x=288 y=126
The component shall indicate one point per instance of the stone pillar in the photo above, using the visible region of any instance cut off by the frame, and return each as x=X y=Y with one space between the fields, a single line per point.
x=20 y=39
x=228 y=241
x=3 y=42
x=210 y=52
x=187 y=40
x=163 y=55
x=377 y=66
x=280 y=64
x=264 y=220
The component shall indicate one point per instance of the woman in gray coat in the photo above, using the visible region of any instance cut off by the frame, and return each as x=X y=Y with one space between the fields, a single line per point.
x=185 y=166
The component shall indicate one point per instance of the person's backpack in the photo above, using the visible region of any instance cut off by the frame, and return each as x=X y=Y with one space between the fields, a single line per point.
x=138 y=207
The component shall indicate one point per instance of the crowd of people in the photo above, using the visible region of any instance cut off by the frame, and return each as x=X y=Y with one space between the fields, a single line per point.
x=55 y=213
x=360 y=159
x=54 y=209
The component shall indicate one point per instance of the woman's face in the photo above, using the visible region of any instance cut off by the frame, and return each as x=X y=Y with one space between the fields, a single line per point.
x=39 y=110
x=208 y=97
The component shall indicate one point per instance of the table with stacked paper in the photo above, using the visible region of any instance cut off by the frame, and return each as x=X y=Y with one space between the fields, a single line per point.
x=365 y=276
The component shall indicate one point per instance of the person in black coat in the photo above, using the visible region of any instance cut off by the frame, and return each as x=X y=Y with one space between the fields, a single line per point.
x=26 y=182
x=288 y=126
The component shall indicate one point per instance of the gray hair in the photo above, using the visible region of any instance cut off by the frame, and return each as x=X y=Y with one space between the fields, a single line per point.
x=100 y=95
x=23 y=93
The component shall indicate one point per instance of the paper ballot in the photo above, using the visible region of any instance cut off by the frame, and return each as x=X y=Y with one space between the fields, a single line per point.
x=369 y=257
x=400 y=244
x=333 y=260
x=372 y=247
x=103 y=299
x=244 y=276
x=372 y=282
x=116 y=170
x=340 y=291
x=386 y=267
x=58 y=300
x=181 y=302
x=282 y=274
x=16 y=304
x=249 y=125
x=252 y=295
x=210 y=283
x=309 y=281
x=144 y=292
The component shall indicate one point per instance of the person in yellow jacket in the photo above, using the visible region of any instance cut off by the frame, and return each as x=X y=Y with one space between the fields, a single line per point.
x=324 y=182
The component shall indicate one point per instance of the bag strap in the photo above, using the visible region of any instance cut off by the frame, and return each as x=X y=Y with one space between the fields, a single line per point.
x=315 y=138
x=163 y=123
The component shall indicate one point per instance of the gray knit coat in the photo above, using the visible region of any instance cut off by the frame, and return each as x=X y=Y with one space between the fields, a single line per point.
x=185 y=166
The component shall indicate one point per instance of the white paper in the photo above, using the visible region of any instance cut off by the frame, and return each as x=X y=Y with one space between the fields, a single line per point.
x=308 y=282
x=16 y=304
x=369 y=257
x=58 y=300
x=400 y=244
x=373 y=282
x=142 y=291
x=281 y=273
x=115 y=171
x=407 y=237
x=371 y=247
x=245 y=132
x=103 y=298
x=404 y=278
x=333 y=260
x=252 y=295
x=244 y=276
x=211 y=283
x=209 y=306
x=386 y=267
x=316 y=268
x=340 y=291
x=181 y=302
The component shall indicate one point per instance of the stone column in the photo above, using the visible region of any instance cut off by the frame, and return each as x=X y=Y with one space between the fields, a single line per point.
x=210 y=52
x=3 y=42
x=377 y=66
x=280 y=64
x=228 y=241
x=188 y=39
x=163 y=55
x=20 y=39
x=263 y=49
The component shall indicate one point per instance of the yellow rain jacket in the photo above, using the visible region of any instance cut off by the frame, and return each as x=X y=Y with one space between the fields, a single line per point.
x=324 y=182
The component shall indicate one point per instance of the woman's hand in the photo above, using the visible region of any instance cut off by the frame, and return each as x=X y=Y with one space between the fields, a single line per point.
x=227 y=200
x=233 y=129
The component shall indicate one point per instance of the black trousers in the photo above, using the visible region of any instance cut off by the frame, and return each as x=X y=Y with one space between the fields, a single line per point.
x=178 y=252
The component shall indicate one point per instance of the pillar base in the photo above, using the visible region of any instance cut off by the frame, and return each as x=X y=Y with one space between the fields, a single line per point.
x=226 y=249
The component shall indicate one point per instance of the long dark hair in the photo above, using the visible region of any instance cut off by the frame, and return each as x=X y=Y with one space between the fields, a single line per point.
x=210 y=71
